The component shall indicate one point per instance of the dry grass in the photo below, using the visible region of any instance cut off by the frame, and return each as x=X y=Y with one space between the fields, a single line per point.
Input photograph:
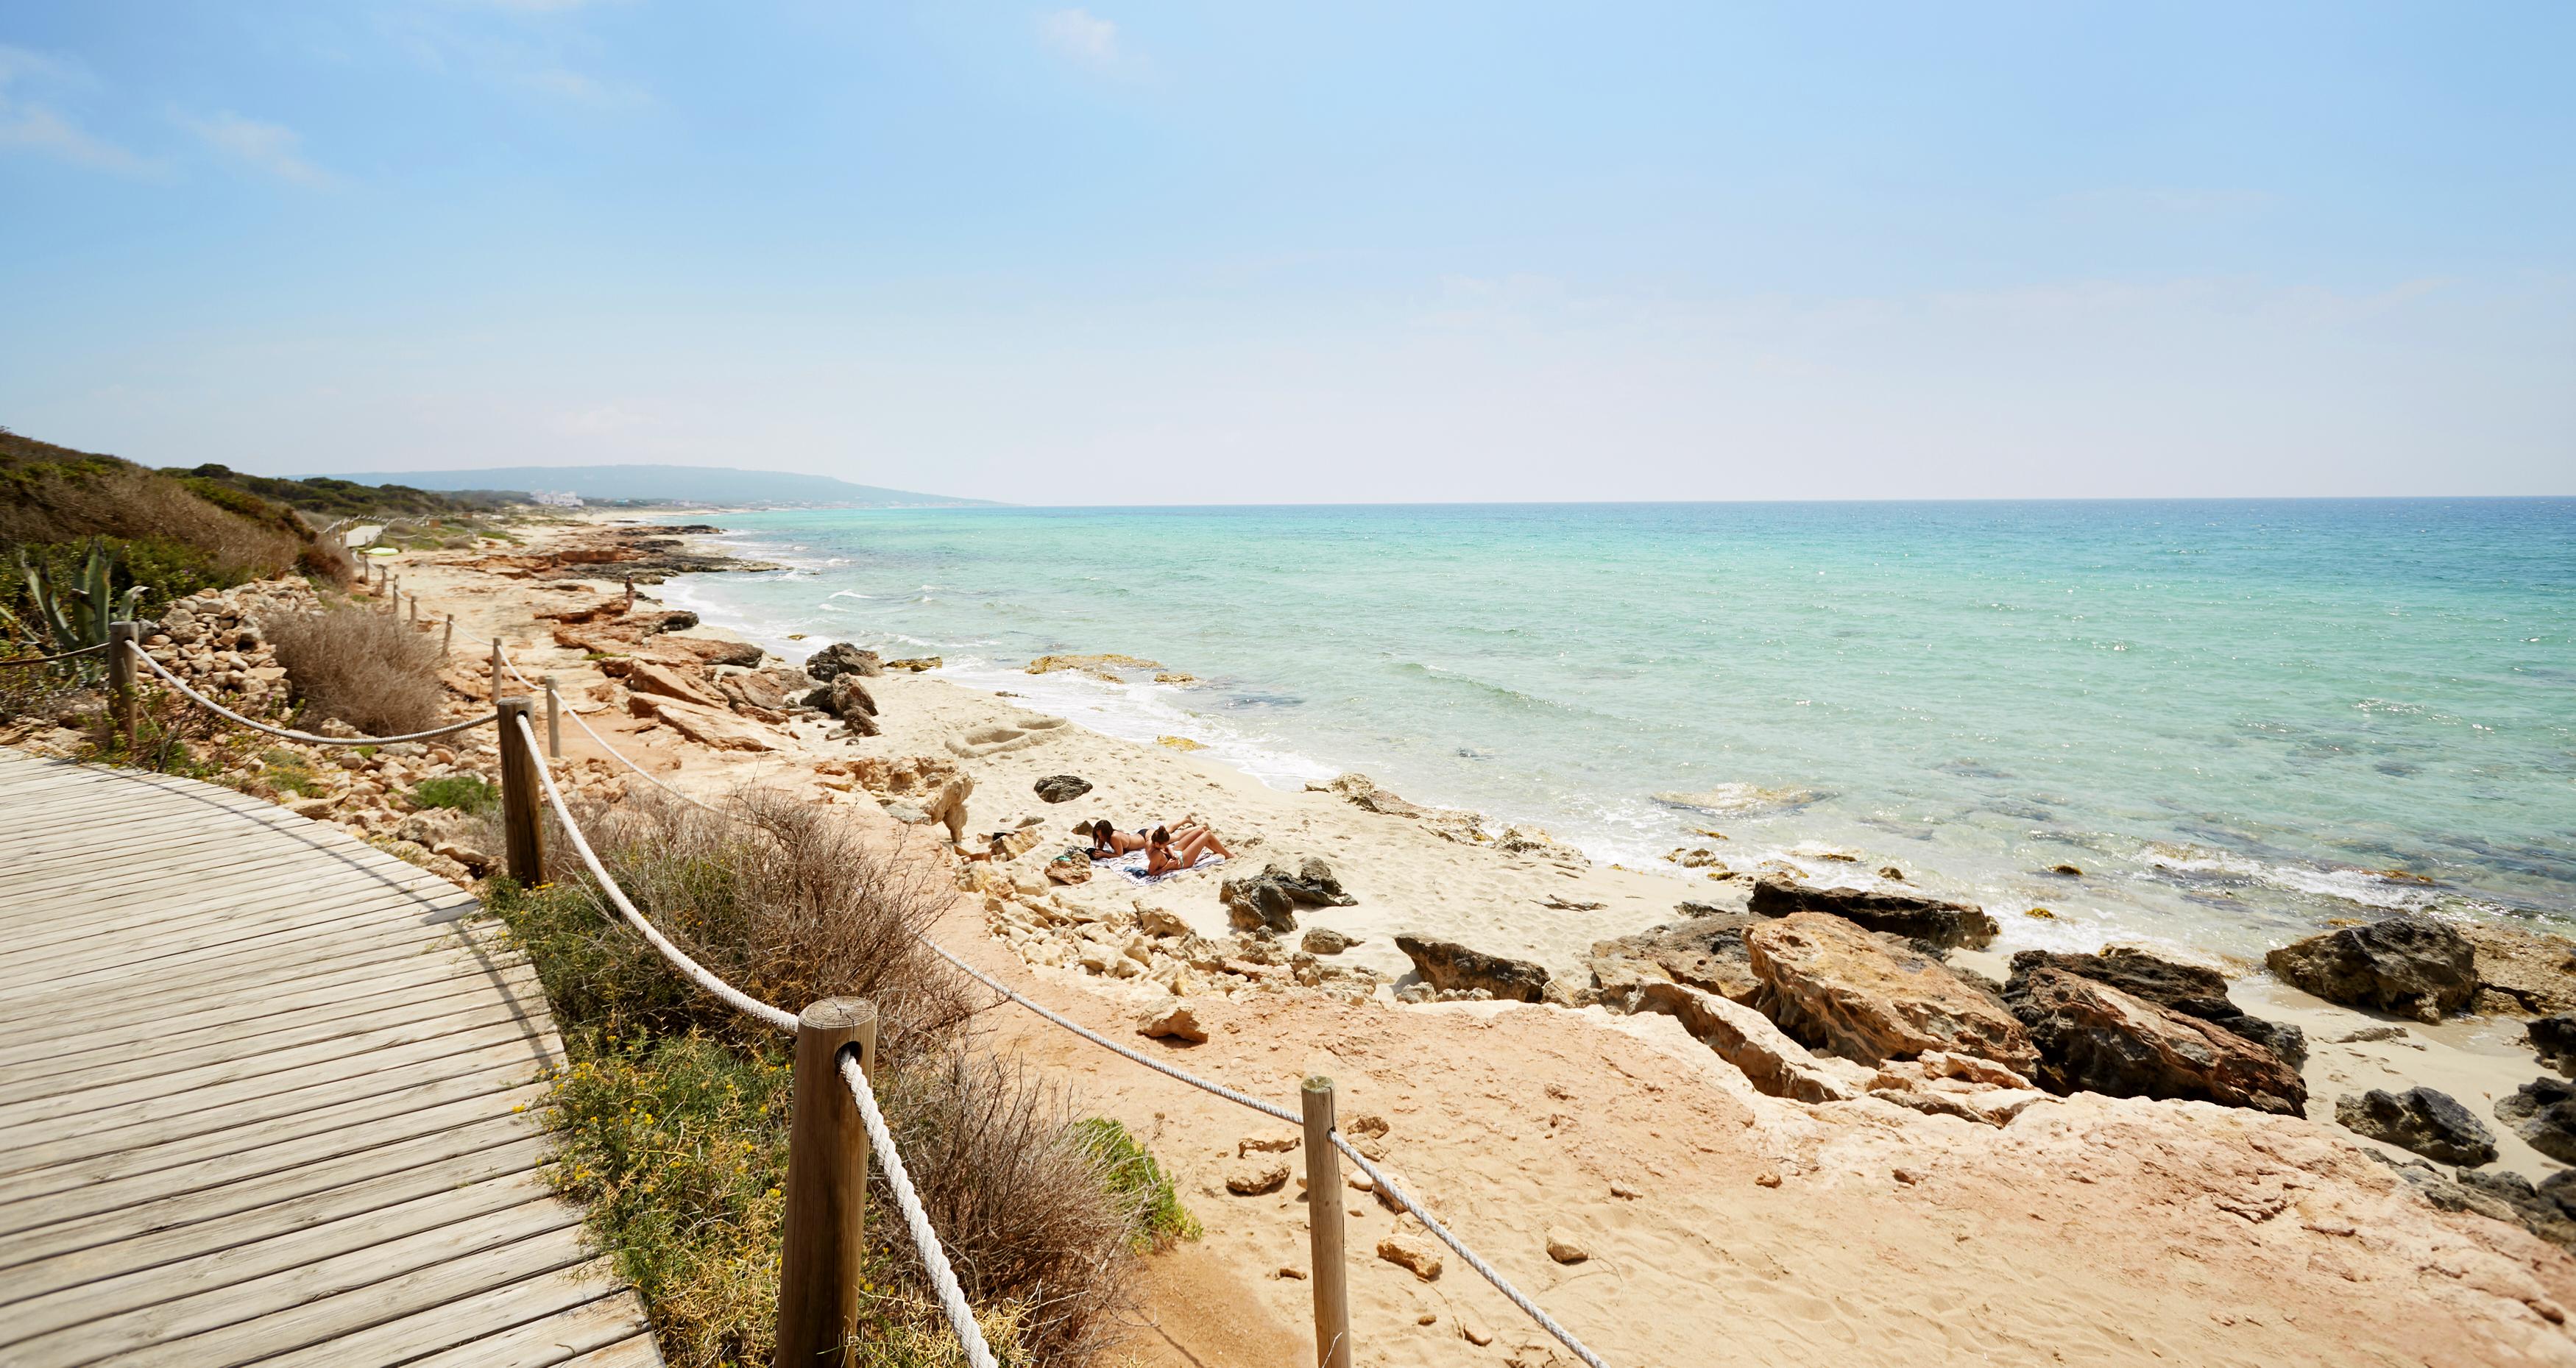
x=67 y=503
x=365 y=668
x=673 y=1118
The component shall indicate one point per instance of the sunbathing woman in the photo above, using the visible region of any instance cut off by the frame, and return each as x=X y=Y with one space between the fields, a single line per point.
x=1172 y=849
x=1108 y=842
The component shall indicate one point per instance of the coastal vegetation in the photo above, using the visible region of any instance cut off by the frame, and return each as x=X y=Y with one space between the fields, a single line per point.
x=671 y=1114
x=365 y=667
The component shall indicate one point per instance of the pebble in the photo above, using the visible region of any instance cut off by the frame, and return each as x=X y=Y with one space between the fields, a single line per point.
x=1767 y=1178
x=1256 y=1178
x=1412 y=1254
x=1475 y=1331
x=1564 y=1247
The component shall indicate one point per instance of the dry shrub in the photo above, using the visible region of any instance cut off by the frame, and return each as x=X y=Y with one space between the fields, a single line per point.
x=1021 y=1197
x=367 y=669
x=789 y=905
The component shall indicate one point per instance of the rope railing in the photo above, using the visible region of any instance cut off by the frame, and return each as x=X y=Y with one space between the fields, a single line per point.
x=943 y=1279
x=1377 y=1176
x=613 y=753
x=289 y=733
x=92 y=649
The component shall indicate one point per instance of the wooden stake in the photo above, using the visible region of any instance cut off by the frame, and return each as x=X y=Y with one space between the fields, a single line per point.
x=120 y=678
x=1324 y=1227
x=554 y=718
x=496 y=669
x=823 y=1248
x=521 y=832
x=447 y=643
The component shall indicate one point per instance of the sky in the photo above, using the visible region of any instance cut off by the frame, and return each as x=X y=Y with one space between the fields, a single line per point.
x=1203 y=253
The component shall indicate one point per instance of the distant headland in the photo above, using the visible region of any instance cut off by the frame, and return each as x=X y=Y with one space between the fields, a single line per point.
x=666 y=484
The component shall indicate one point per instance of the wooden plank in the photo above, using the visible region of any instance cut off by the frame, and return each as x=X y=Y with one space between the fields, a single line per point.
x=531 y=1322
x=639 y=1352
x=149 y=951
x=578 y=1334
x=144 y=1282
x=156 y=1319
x=350 y=1202
x=21 y=1153
x=270 y=1337
x=243 y=867
x=282 y=962
x=347 y=1124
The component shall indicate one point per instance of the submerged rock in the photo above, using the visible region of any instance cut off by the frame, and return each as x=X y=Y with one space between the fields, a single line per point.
x=1905 y=914
x=2191 y=989
x=2406 y=966
x=1448 y=966
x=2430 y=1123
x=1834 y=986
x=2543 y=1113
x=842 y=657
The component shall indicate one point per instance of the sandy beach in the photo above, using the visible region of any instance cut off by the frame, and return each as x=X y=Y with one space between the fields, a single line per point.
x=1711 y=1220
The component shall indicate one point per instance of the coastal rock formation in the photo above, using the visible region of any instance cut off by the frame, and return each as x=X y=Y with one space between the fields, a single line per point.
x=2521 y=971
x=766 y=694
x=2548 y=1211
x=2190 y=989
x=1945 y=924
x=1937 y=1083
x=2554 y=1038
x=1706 y=951
x=1449 y=966
x=2405 y=966
x=705 y=724
x=1838 y=988
x=1745 y=1038
x=916 y=664
x=1324 y=940
x=850 y=698
x=2543 y=1113
x=840 y=658
x=1061 y=788
x=2419 y=1119
x=1268 y=900
x=1178 y=1021
x=649 y=677
x=1103 y=666
x=2095 y=1038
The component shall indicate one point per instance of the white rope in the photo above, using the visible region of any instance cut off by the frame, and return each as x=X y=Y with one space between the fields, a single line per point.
x=307 y=738
x=614 y=753
x=1229 y=1094
x=723 y=991
x=943 y=1281
x=66 y=655
x=922 y=1238
x=1501 y=1284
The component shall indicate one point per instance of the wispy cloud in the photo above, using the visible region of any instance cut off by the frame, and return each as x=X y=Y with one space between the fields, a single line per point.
x=272 y=148
x=31 y=125
x=1081 y=35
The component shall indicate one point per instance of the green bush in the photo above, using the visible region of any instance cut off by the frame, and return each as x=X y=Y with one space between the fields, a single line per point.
x=463 y=792
x=1132 y=1173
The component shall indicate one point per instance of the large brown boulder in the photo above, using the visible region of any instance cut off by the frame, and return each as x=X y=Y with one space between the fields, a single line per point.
x=1836 y=987
x=648 y=677
x=1946 y=924
x=1705 y=952
x=2094 y=1038
x=840 y=658
x=1745 y=1038
x=1447 y=965
x=2405 y=966
x=2191 y=989
x=708 y=726
x=1269 y=900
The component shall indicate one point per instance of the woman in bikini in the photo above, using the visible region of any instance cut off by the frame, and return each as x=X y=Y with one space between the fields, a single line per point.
x=1108 y=842
x=1175 y=848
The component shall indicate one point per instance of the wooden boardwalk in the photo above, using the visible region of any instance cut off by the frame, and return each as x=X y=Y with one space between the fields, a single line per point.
x=260 y=1100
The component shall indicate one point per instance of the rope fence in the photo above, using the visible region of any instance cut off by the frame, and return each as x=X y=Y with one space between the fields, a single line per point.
x=64 y=655
x=521 y=761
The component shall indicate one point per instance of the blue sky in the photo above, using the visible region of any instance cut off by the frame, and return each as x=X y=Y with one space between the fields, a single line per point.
x=1134 y=253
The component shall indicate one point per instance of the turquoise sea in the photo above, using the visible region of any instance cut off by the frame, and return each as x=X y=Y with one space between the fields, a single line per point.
x=2235 y=717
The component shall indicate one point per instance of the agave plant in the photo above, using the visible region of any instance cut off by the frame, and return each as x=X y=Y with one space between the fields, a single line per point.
x=75 y=615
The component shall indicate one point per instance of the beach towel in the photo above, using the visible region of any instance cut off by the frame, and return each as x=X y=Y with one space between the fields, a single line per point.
x=1132 y=864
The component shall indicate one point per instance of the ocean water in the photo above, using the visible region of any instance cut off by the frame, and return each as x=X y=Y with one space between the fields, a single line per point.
x=2237 y=718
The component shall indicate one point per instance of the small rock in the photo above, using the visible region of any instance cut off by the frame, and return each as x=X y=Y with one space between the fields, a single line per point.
x=1409 y=1252
x=1563 y=1247
x=1626 y=1192
x=1475 y=1331
x=2430 y=1123
x=1292 y=1271
x=1257 y=1177
x=1266 y=1144
x=2554 y=1037
x=1062 y=788
x=1177 y=1022
x=1324 y=940
x=1766 y=1178
x=2067 y=870
x=842 y=657
x=1947 y=924
x=1156 y=921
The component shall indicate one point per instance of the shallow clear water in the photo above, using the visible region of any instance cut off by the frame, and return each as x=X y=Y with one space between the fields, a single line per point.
x=2230 y=715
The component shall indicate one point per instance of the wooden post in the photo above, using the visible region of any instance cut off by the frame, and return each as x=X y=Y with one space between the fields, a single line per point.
x=447 y=643
x=393 y=593
x=823 y=1249
x=554 y=718
x=630 y=593
x=1324 y=1227
x=521 y=832
x=415 y=610
x=496 y=668
x=120 y=678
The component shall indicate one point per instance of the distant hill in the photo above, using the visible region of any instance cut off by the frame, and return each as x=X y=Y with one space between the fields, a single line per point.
x=667 y=484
